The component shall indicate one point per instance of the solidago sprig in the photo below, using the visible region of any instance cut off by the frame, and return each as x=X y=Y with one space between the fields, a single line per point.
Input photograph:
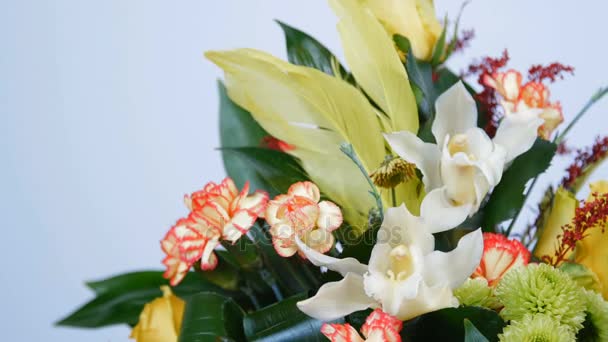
x=593 y=213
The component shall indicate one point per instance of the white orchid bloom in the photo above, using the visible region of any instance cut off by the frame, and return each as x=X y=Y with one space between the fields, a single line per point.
x=405 y=276
x=465 y=164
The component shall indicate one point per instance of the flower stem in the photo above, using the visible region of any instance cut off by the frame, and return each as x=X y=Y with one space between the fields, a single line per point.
x=394 y=197
x=508 y=231
x=272 y=282
x=348 y=149
x=596 y=97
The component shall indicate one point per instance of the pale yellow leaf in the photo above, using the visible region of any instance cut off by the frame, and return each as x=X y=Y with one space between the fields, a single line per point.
x=374 y=62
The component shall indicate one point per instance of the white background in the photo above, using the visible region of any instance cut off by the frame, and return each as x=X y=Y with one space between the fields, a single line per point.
x=108 y=115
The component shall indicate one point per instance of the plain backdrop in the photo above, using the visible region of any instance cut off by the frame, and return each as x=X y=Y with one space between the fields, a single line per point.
x=108 y=115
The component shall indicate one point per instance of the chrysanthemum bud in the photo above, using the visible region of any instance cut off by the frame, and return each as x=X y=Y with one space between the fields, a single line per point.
x=392 y=172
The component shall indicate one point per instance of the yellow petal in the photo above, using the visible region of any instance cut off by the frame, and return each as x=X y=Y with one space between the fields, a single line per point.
x=313 y=112
x=592 y=251
x=160 y=319
x=374 y=62
x=414 y=19
x=562 y=212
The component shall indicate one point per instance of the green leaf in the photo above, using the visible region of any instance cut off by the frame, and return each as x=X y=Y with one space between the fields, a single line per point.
x=471 y=334
x=225 y=275
x=508 y=196
x=276 y=171
x=292 y=274
x=446 y=325
x=304 y=50
x=120 y=299
x=439 y=51
x=361 y=248
x=238 y=129
x=421 y=75
x=211 y=317
x=244 y=253
x=282 y=321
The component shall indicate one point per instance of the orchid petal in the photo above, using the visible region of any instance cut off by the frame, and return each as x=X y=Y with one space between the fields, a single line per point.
x=440 y=214
x=427 y=299
x=392 y=294
x=342 y=266
x=453 y=268
x=337 y=299
x=413 y=150
x=456 y=112
x=401 y=227
x=517 y=132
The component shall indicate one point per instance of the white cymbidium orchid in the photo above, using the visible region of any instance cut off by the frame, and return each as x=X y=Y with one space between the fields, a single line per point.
x=459 y=171
x=405 y=276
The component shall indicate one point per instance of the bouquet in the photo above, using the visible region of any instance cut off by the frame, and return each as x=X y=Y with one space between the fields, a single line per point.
x=379 y=201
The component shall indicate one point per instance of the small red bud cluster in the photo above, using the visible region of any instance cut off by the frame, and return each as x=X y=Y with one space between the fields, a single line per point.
x=464 y=40
x=488 y=67
x=584 y=158
x=551 y=72
x=593 y=213
x=487 y=97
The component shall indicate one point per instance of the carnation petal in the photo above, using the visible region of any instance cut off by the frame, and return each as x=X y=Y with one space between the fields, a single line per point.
x=330 y=216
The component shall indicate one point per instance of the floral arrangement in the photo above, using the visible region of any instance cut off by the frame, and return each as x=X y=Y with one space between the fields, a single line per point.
x=379 y=202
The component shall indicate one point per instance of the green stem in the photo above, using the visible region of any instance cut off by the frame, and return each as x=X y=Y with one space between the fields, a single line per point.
x=512 y=224
x=596 y=97
x=272 y=282
x=348 y=149
x=394 y=197
x=249 y=293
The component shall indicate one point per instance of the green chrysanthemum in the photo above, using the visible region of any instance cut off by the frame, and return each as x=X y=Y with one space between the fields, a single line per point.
x=476 y=292
x=541 y=289
x=596 y=322
x=536 y=328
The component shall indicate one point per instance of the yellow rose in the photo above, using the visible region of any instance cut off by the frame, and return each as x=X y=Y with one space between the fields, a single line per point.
x=592 y=251
x=414 y=19
x=562 y=212
x=160 y=320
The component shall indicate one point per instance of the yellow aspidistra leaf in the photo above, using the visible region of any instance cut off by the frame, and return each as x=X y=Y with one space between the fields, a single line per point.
x=562 y=211
x=414 y=19
x=374 y=62
x=314 y=112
